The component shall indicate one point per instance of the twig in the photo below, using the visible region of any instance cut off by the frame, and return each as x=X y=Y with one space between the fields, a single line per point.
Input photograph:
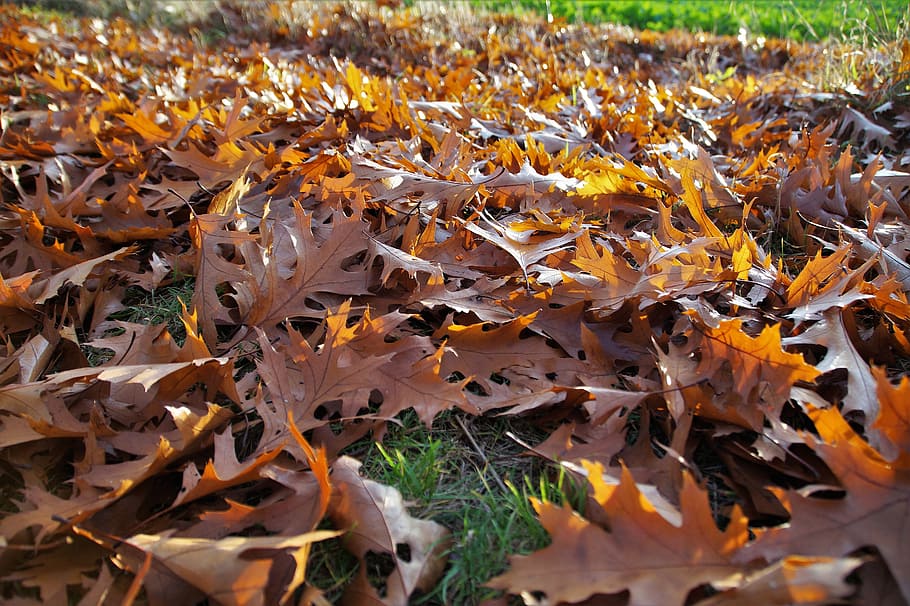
x=481 y=454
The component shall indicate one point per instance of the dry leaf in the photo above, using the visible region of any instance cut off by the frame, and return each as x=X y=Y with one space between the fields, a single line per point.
x=379 y=526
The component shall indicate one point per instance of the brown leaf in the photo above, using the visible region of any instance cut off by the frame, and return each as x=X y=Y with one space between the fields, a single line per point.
x=379 y=524
x=872 y=512
x=280 y=286
x=792 y=580
x=211 y=235
x=476 y=350
x=235 y=570
x=831 y=334
x=223 y=471
x=523 y=246
x=191 y=430
x=52 y=571
x=666 y=563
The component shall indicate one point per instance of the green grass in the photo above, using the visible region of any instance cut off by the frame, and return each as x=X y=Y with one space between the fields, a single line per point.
x=159 y=306
x=795 y=19
x=163 y=305
x=470 y=476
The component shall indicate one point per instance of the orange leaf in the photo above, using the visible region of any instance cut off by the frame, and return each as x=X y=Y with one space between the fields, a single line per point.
x=760 y=369
x=872 y=512
x=657 y=562
x=893 y=419
x=242 y=571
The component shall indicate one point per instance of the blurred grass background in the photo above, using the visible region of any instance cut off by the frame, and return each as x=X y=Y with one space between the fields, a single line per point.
x=800 y=20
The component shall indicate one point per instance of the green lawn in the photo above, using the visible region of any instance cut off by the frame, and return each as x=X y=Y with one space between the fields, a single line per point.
x=797 y=19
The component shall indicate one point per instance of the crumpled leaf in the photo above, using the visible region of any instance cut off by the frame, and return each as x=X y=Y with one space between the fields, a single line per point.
x=523 y=247
x=792 y=580
x=829 y=332
x=758 y=369
x=379 y=525
x=242 y=571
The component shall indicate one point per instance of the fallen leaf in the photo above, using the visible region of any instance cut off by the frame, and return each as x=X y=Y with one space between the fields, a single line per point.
x=235 y=570
x=378 y=523
x=871 y=512
x=792 y=580
x=666 y=564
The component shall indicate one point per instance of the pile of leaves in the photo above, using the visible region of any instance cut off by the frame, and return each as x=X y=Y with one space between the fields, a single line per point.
x=666 y=250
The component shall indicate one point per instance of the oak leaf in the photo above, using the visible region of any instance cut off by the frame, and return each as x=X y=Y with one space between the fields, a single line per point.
x=211 y=236
x=191 y=429
x=524 y=247
x=872 y=512
x=280 y=286
x=641 y=552
x=51 y=572
x=830 y=333
x=379 y=523
x=893 y=421
x=354 y=366
x=223 y=471
x=242 y=571
x=816 y=275
x=789 y=581
x=229 y=161
x=476 y=350
x=759 y=369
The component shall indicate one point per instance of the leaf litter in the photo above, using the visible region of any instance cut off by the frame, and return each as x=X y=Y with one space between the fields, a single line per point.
x=382 y=209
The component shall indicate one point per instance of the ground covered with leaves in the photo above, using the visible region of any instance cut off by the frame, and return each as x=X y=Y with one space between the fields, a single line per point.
x=683 y=258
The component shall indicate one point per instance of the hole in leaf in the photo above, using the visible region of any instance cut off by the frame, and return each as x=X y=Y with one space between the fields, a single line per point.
x=832 y=494
x=702 y=592
x=832 y=385
x=379 y=566
x=498 y=378
x=348 y=263
x=679 y=340
x=476 y=388
x=455 y=377
x=314 y=304
x=793 y=415
x=403 y=551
